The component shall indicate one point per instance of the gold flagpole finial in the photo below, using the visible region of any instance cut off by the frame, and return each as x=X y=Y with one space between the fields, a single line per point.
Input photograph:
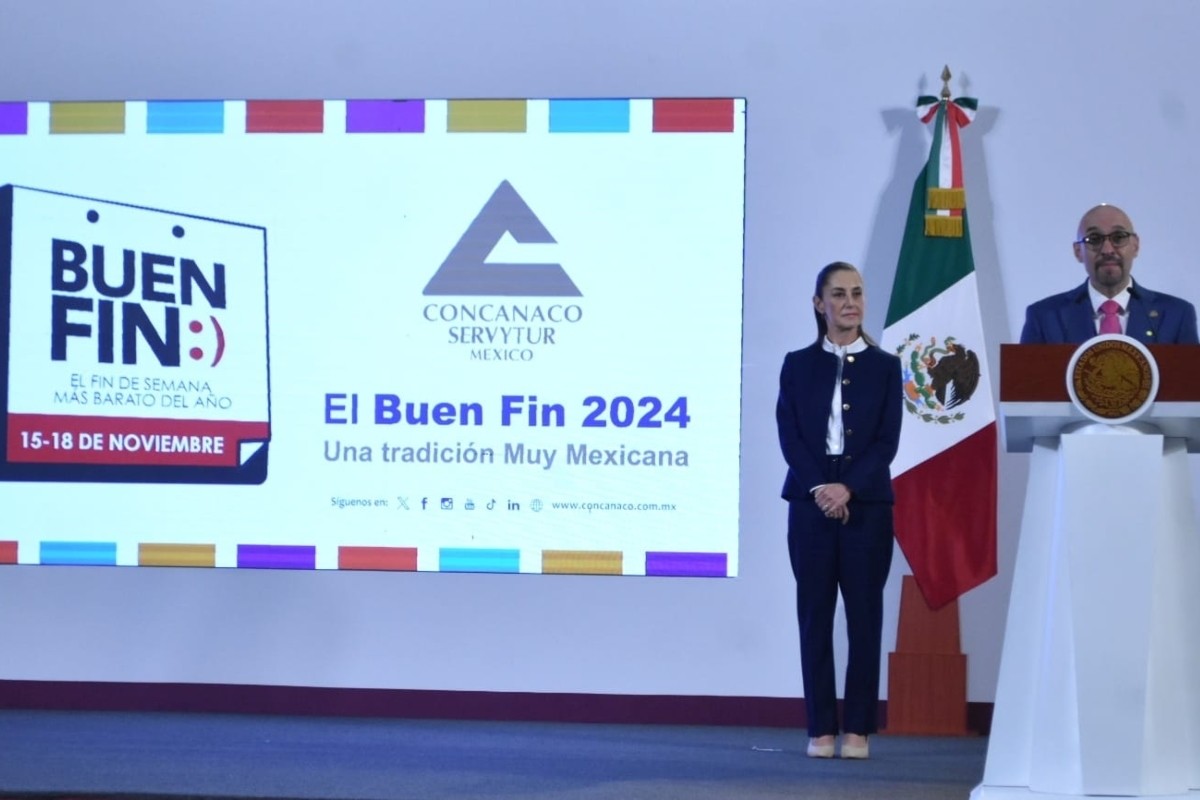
x=945 y=204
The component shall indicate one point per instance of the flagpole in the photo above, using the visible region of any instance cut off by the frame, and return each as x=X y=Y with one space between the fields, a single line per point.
x=945 y=514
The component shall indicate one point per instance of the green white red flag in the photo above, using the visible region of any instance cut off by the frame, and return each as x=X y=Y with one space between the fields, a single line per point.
x=944 y=475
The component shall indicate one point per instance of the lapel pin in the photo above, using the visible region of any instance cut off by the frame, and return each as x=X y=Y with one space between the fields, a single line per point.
x=1153 y=313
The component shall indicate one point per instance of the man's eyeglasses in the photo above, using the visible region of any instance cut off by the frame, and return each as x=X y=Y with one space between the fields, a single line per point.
x=1095 y=241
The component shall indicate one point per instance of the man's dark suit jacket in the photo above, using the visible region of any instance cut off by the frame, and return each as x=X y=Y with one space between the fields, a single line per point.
x=1068 y=318
x=872 y=405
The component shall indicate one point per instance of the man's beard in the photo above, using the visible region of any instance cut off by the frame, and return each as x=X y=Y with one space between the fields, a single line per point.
x=1110 y=272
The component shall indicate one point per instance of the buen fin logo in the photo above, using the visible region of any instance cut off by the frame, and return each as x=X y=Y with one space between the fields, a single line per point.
x=466 y=271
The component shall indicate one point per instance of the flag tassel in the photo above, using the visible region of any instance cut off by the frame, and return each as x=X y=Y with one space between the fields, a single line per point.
x=947 y=227
x=947 y=198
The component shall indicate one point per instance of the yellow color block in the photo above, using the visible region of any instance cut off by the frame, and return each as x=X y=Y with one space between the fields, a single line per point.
x=486 y=116
x=581 y=562
x=177 y=555
x=87 y=117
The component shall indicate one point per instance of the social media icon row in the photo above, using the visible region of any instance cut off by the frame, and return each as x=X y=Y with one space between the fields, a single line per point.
x=469 y=504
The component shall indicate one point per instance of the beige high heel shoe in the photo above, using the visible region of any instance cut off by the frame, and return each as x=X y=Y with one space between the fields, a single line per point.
x=855 y=746
x=821 y=747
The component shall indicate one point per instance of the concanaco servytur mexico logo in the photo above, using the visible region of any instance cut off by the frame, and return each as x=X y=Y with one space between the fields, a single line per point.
x=482 y=304
x=466 y=270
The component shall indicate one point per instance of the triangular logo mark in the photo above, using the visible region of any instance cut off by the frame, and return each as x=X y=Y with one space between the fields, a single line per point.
x=466 y=271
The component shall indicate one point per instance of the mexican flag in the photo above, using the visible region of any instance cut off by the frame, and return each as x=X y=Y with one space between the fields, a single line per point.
x=944 y=475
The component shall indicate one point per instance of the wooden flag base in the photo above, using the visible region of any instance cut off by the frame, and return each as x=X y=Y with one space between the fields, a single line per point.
x=927 y=672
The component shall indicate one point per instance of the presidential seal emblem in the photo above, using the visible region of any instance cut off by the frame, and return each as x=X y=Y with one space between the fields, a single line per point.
x=937 y=378
x=1112 y=379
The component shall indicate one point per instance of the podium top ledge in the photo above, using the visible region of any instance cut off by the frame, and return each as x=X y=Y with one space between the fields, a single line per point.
x=1036 y=373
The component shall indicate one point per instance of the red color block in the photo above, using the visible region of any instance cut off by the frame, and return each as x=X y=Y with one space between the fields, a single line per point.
x=285 y=116
x=693 y=116
x=402 y=559
x=8 y=552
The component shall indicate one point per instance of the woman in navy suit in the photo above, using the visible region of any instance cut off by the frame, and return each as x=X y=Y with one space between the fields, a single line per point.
x=839 y=412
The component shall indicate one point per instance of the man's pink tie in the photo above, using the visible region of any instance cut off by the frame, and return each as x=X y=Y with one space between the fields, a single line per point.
x=1110 y=317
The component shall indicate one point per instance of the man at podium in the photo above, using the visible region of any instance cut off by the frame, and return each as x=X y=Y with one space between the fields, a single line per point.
x=1096 y=694
x=1109 y=301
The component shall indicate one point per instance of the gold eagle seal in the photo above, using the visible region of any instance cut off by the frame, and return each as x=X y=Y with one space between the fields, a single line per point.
x=1112 y=378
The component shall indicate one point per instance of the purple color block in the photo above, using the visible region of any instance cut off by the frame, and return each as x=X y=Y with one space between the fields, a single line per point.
x=698 y=565
x=270 y=556
x=385 y=116
x=14 y=118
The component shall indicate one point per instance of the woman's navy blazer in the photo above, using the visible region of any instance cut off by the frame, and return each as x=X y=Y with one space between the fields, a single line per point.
x=872 y=407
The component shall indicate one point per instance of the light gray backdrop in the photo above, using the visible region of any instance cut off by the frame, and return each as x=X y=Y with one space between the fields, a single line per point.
x=1081 y=101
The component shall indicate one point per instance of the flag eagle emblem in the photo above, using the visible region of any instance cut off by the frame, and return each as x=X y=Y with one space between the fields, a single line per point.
x=937 y=378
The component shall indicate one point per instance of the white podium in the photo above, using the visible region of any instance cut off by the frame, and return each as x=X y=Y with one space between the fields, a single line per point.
x=1099 y=685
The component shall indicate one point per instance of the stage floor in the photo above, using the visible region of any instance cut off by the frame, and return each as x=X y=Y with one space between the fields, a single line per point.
x=61 y=754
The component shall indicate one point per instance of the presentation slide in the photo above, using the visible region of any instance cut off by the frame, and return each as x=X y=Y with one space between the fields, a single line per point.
x=435 y=335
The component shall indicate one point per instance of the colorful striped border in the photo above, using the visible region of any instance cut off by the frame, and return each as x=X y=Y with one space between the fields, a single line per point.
x=377 y=558
x=566 y=116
